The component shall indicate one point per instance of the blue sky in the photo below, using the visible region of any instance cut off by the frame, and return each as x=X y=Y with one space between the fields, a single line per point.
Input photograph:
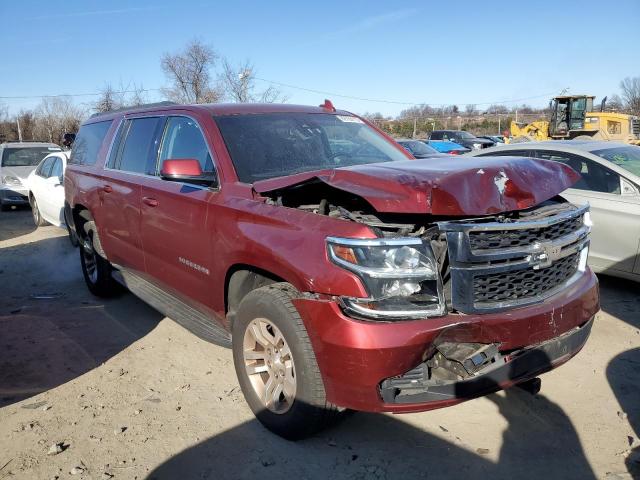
x=415 y=52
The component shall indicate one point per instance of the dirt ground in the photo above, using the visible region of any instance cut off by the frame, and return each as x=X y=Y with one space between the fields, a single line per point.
x=128 y=394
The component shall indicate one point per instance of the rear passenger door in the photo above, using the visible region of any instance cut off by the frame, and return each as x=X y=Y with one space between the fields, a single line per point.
x=177 y=242
x=132 y=159
x=616 y=227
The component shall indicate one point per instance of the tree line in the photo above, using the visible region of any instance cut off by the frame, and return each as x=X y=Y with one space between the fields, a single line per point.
x=197 y=73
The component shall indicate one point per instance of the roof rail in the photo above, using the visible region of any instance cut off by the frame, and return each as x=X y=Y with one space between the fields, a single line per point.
x=136 y=107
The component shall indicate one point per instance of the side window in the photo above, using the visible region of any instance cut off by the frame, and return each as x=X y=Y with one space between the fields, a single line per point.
x=56 y=169
x=595 y=177
x=183 y=139
x=436 y=136
x=45 y=167
x=507 y=153
x=138 y=152
x=88 y=142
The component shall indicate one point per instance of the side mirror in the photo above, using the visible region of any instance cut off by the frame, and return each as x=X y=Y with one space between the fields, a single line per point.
x=54 y=181
x=186 y=170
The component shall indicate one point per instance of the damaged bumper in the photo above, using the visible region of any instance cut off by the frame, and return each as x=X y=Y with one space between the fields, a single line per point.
x=370 y=366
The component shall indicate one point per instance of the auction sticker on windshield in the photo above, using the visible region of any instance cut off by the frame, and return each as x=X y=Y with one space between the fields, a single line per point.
x=348 y=119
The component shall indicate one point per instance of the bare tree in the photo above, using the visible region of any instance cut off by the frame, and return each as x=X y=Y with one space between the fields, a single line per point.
x=239 y=85
x=113 y=99
x=471 y=110
x=189 y=72
x=614 y=103
x=56 y=116
x=631 y=94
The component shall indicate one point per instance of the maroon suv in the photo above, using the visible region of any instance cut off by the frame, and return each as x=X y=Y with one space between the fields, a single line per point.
x=344 y=273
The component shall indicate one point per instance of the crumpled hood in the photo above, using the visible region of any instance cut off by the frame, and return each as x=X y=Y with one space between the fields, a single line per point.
x=444 y=186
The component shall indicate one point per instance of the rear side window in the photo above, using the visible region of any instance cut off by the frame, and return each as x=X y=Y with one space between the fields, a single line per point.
x=138 y=153
x=507 y=153
x=88 y=142
x=183 y=139
x=436 y=136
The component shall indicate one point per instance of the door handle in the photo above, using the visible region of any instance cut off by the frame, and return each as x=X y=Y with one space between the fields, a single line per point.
x=107 y=189
x=152 y=202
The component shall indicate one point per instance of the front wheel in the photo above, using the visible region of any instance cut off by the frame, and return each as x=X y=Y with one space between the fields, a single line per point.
x=276 y=365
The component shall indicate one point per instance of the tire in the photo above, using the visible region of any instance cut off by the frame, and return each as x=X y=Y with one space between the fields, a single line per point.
x=96 y=270
x=308 y=410
x=4 y=207
x=73 y=237
x=35 y=211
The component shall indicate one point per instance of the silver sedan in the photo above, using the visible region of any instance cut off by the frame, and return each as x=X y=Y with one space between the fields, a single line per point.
x=610 y=183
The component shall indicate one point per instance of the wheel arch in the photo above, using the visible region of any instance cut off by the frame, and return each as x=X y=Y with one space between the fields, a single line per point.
x=241 y=279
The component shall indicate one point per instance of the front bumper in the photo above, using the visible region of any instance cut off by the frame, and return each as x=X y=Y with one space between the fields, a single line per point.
x=14 y=196
x=356 y=357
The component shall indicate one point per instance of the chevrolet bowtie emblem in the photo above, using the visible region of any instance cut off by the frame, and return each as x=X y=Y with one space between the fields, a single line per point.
x=545 y=254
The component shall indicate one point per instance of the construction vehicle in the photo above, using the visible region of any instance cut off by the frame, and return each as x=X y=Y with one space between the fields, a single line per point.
x=573 y=117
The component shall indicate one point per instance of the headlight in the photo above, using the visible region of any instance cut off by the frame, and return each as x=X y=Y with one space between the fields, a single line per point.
x=11 y=180
x=400 y=274
x=477 y=146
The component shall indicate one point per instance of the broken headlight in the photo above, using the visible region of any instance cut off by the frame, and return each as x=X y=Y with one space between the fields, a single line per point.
x=400 y=274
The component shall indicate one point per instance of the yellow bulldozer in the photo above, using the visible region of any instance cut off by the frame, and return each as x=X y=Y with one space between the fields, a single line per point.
x=573 y=117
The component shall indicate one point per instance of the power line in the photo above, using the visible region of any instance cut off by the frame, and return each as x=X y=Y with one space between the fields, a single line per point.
x=394 y=102
x=27 y=97
x=295 y=87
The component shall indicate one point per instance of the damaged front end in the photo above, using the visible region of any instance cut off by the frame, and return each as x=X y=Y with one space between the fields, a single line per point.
x=461 y=371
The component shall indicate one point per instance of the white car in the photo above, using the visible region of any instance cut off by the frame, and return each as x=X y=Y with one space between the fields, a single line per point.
x=610 y=183
x=46 y=191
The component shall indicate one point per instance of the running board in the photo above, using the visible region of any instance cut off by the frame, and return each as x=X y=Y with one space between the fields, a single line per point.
x=188 y=317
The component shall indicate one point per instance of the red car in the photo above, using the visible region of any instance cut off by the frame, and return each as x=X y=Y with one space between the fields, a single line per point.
x=344 y=273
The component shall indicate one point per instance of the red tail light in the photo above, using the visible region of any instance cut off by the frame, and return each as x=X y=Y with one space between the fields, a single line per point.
x=455 y=152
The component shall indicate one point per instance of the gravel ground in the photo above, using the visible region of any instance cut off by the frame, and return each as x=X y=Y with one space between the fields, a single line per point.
x=97 y=389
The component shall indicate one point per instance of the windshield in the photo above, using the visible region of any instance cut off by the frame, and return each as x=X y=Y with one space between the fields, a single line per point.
x=25 y=156
x=625 y=157
x=419 y=148
x=272 y=145
x=464 y=135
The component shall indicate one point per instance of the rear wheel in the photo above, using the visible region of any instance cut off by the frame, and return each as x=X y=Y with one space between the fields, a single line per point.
x=96 y=270
x=35 y=211
x=276 y=365
x=73 y=238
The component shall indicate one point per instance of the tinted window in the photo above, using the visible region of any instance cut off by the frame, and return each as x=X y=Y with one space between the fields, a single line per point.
x=88 y=142
x=183 y=139
x=436 y=136
x=507 y=153
x=136 y=154
x=595 y=177
x=25 y=156
x=273 y=145
x=56 y=169
x=45 y=167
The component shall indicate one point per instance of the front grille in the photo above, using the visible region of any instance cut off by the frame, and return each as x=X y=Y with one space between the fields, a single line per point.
x=523 y=284
x=498 y=265
x=480 y=240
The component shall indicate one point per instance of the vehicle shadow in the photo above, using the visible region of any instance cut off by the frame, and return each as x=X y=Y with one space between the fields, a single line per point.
x=623 y=374
x=16 y=223
x=619 y=297
x=539 y=442
x=53 y=329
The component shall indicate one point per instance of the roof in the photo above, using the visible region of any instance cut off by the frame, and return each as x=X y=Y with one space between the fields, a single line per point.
x=220 y=109
x=562 y=145
x=28 y=144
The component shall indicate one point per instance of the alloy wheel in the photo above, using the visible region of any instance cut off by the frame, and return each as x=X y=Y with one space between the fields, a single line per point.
x=90 y=261
x=269 y=365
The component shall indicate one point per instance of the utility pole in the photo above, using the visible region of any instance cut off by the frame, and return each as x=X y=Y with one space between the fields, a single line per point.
x=415 y=127
x=19 y=131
